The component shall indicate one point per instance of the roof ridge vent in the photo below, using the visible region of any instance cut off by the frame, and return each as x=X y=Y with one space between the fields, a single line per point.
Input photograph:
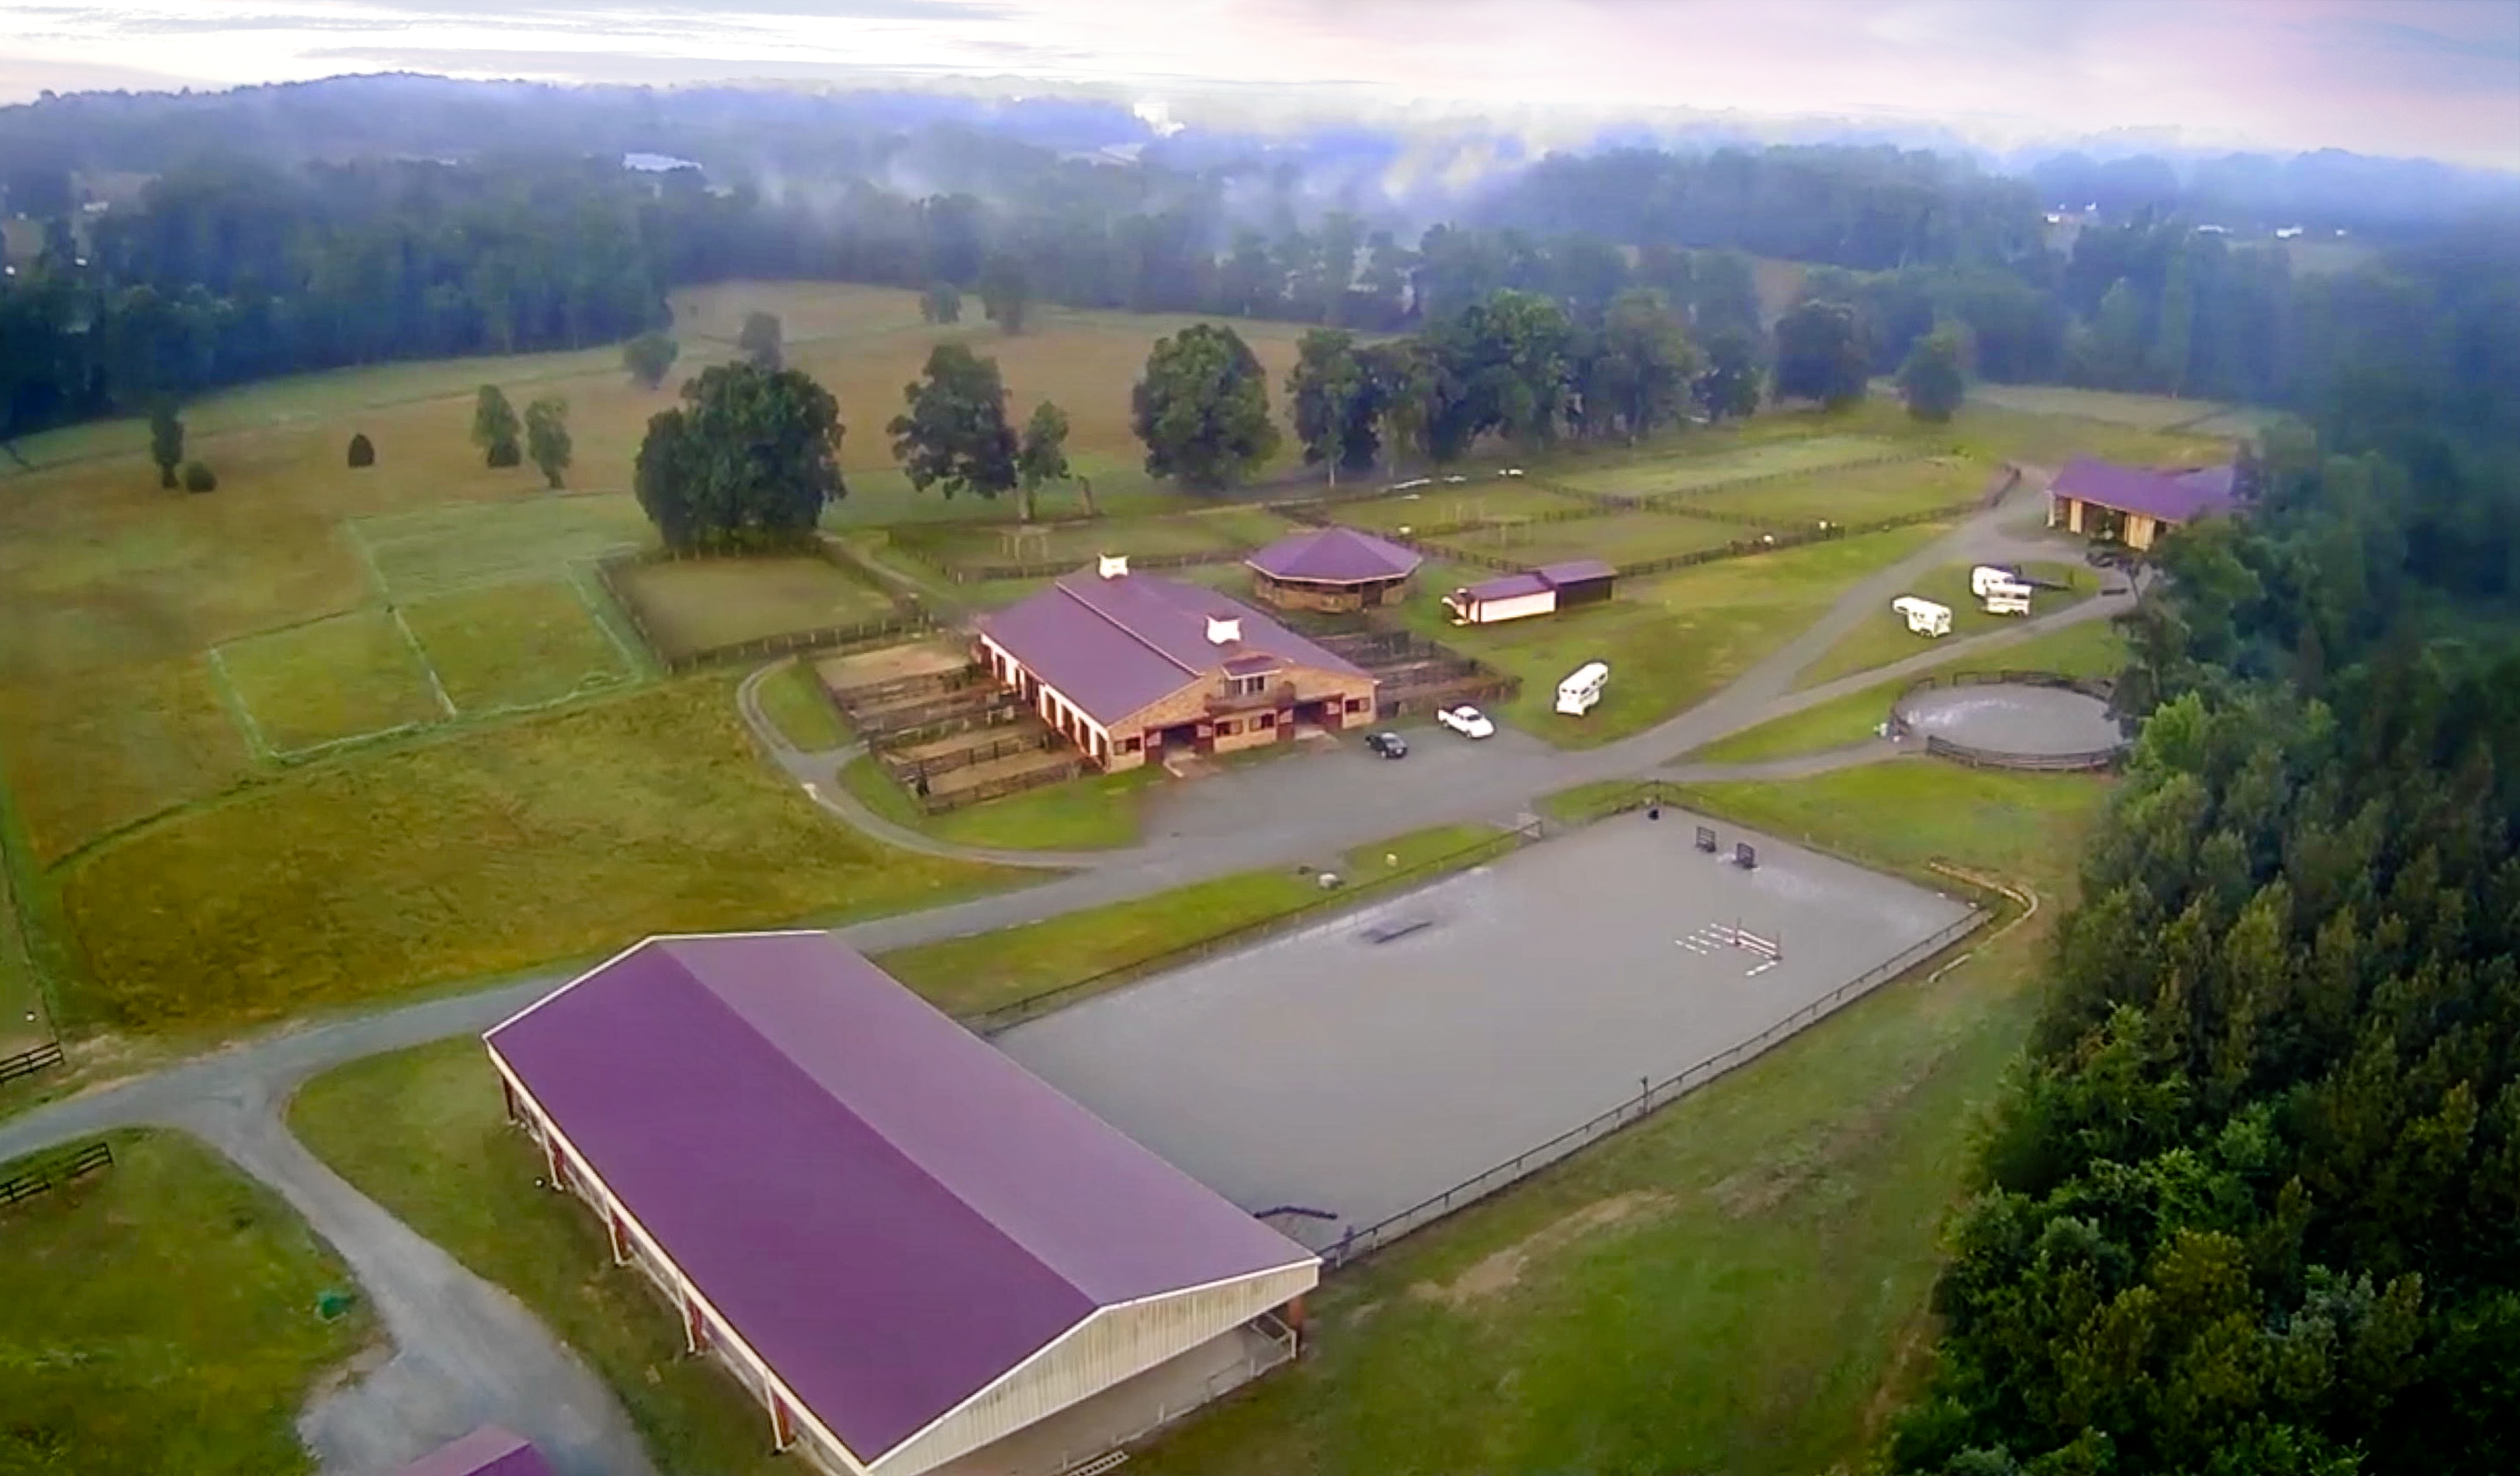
x=1114 y=566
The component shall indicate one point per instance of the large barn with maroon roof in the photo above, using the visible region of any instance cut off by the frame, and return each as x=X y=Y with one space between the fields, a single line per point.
x=904 y=1244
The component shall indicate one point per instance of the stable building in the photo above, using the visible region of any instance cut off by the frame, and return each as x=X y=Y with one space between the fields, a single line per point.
x=2135 y=505
x=1128 y=666
x=1335 y=570
x=1543 y=591
x=916 y=1255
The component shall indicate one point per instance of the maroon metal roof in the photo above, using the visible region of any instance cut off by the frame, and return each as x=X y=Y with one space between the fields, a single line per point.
x=487 y=1452
x=1335 y=556
x=1508 y=587
x=1115 y=645
x=2176 y=496
x=885 y=1207
x=1576 y=571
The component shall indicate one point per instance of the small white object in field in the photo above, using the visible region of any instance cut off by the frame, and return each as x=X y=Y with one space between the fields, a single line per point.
x=1389 y=858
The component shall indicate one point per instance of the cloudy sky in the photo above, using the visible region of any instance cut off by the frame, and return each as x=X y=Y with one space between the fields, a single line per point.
x=2436 y=77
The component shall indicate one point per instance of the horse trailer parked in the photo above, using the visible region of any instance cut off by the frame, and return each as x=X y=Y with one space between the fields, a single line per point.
x=1579 y=692
x=1924 y=616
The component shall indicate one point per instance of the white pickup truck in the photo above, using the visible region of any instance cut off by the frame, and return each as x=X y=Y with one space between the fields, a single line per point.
x=1467 y=721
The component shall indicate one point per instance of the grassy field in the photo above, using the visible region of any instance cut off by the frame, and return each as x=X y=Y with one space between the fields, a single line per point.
x=1671 y=641
x=987 y=972
x=1620 y=538
x=1692 y=467
x=1884 y=636
x=1438 y=505
x=1738 y=1286
x=1090 y=812
x=87 y=756
x=161 y=1318
x=1851 y=495
x=422 y=1133
x=799 y=707
x=431 y=550
x=697 y=605
x=2092 y=649
x=472 y=854
x=516 y=646
x=349 y=677
x=1220 y=530
x=2148 y=412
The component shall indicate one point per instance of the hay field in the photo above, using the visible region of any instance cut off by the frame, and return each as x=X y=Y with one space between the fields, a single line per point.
x=350 y=677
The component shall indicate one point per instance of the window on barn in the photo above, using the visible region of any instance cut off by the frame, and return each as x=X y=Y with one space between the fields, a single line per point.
x=1228 y=729
x=1128 y=745
x=1246 y=686
x=1268 y=720
x=1356 y=704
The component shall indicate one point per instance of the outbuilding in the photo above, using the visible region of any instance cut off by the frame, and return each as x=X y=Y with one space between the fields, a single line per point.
x=905 y=1247
x=1543 y=591
x=1333 y=569
x=2136 y=505
x=487 y=1452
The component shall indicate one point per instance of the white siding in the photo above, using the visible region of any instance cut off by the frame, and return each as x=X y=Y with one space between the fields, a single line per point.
x=1489 y=611
x=1112 y=1344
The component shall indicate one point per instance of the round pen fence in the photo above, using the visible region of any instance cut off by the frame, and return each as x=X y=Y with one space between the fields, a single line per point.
x=1909 y=720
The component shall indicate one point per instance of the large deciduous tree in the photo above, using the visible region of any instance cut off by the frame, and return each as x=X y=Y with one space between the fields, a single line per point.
x=1728 y=387
x=1041 y=458
x=546 y=441
x=953 y=434
x=1005 y=293
x=495 y=428
x=1934 y=379
x=166 y=441
x=1202 y=408
x=1331 y=392
x=762 y=340
x=1500 y=366
x=748 y=461
x=1821 y=355
x=649 y=357
x=1633 y=372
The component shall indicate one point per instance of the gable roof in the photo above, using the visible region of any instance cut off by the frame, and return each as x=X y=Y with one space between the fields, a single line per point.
x=1115 y=645
x=1576 y=571
x=1546 y=577
x=888 y=1210
x=487 y=1452
x=2174 y=496
x=1508 y=587
x=1335 y=556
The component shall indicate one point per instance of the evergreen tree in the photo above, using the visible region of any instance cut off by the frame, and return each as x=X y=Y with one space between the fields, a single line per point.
x=547 y=440
x=495 y=428
x=166 y=442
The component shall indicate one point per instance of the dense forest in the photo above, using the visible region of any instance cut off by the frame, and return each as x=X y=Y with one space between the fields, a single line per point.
x=2249 y=1204
x=246 y=253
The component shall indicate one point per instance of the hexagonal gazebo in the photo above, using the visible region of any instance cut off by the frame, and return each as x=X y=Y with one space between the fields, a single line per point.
x=1333 y=569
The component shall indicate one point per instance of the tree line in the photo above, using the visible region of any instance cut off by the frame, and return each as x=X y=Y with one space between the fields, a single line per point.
x=2247 y=1206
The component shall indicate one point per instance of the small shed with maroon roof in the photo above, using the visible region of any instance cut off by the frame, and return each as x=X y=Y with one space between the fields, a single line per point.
x=2136 y=505
x=903 y=1243
x=487 y=1452
x=1128 y=665
x=1543 y=591
x=1333 y=569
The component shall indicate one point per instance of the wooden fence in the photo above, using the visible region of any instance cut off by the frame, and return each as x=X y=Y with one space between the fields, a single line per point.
x=985 y=573
x=909 y=617
x=42 y=1176
x=2089 y=761
x=28 y=1062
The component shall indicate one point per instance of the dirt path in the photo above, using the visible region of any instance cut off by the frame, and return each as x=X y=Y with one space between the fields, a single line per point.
x=465 y=1350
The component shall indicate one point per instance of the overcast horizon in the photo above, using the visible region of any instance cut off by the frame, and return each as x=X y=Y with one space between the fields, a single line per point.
x=2433 y=78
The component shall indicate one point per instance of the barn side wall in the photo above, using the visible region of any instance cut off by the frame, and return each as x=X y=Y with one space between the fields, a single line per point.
x=1113 y=1345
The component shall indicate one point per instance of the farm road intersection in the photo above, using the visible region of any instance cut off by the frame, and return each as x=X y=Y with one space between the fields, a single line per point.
x=439 y=1313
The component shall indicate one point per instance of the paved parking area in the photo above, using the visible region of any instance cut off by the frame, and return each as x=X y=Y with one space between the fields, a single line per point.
x=1330 y=1071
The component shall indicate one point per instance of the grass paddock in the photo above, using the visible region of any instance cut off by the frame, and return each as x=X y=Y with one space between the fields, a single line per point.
x=345 y=678
x=1884 y=636
x=696 y=605
x=513 y=645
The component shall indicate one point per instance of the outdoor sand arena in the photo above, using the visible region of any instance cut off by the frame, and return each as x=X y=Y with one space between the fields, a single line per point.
x=1329 y=1071
x=2015 y=719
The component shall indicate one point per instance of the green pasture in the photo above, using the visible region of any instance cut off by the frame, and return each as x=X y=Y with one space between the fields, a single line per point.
x=2144 y=412
x=1851 y=496
x=1692 y=466
x=431 y=550
x=697 y=605
x=1219 y=531
x=511 y=645
x=1884 y=637
x=349 y=677
x=1091 y=812
x=1620 y=538
x=1441 y=506
x=162 y=1317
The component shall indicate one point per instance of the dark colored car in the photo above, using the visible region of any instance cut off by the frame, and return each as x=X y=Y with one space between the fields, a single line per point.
x=1388 y=744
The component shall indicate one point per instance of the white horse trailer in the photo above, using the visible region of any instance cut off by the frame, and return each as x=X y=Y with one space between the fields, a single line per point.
x=2002 y=602
x=1924 y=616
x=1986 y=576
x=1579 y=692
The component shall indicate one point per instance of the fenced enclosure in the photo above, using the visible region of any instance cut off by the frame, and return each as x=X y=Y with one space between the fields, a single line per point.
x=2052 y=746
x=681 y=640
x=41 y=1175
x=1413 y=674
x=29 y=1062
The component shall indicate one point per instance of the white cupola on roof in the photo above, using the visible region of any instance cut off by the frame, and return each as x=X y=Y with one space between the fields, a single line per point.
x=1115 y=567
x=1224 y=630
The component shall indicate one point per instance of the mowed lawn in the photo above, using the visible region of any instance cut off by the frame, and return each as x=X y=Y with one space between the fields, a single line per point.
x=1091 y=812
x=423 y=1134
x=692 y=606
x=2087 y=649
x=1442 y=506
x=1619 y=538
x=1692 y=467
x=2145 y=412
x=474 y=853
x=162 y=1316
x=347 y=677
x=1739 y=1284
x=1671 y=641
x=1851 y=495
x=1884 y=636
x=515 y=645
